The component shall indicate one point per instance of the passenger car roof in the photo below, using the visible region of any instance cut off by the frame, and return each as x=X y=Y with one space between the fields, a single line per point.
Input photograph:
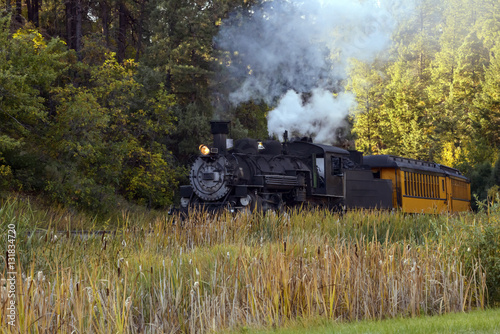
x=391 y=161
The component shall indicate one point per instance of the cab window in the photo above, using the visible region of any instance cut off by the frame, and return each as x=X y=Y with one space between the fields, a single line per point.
x=336 y=166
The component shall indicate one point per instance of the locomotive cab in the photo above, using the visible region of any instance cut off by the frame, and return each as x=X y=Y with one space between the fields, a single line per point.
x=336 y=180
x=325 y=163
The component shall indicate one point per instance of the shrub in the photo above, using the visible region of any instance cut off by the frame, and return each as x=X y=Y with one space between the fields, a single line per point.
x=482 y=245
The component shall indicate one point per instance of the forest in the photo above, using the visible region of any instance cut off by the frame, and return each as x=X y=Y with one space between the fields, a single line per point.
x=104 y=103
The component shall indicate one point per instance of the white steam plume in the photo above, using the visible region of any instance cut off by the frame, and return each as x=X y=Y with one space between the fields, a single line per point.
x=318 y=116
x=284 y=48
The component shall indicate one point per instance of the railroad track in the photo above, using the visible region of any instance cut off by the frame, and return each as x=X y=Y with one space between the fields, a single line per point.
x=84 y=233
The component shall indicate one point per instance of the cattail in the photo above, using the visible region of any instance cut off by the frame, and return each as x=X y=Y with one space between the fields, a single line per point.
x=90 y=295
x=3 y=294
x=128 y=303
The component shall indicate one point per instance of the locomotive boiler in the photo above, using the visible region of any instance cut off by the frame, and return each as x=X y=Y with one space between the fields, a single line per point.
x=269 y=175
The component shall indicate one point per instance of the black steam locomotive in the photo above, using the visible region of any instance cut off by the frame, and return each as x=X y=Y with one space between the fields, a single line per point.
x=270 y=175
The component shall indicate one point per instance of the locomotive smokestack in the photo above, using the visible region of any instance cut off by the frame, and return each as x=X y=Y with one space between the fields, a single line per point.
x=219 y=130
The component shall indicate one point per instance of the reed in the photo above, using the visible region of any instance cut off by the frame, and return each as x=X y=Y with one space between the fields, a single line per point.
x=213 y=272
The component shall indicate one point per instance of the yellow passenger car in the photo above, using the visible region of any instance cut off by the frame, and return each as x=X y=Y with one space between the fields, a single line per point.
x=421 y=186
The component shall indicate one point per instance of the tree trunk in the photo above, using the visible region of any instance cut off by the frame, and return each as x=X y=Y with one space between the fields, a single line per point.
x=122 y=30
x=105 y=21
x=19 y=17
x=30 y=11
x=74 y=25
x=70 y=32
x=78 y=27
x=140 y=25
x=33 y=11
x=36 y=12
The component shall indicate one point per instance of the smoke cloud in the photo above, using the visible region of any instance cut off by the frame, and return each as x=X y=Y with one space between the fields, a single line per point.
x=294 y=55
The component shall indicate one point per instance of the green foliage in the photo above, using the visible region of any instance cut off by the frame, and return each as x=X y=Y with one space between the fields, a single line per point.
x=192 y=129
x=87 y=134
x=482 y=247
x=485 y=180
x=370 y=123
x=110 y=131
x=152 y=181
x=74 y=189
x=405 y=106
x=29 y=66
x=7 y=144
x=437 y=98
x=481 y=180
x=486 y=118
x=252 y=117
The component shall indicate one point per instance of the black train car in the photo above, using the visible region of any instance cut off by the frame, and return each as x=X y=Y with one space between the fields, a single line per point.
x=270 y=175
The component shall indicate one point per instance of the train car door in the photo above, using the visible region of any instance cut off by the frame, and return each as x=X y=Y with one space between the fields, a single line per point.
x=443 y=192
x=449 y=193
x=318 y=174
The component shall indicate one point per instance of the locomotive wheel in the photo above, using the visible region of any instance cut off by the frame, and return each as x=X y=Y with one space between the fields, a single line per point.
x=256 y=205
x=278 y=206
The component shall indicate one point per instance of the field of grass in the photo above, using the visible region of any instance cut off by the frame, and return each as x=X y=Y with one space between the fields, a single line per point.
x=155 y=274
x=477 y=322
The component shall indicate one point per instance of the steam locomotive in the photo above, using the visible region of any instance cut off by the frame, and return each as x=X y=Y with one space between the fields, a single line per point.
x=270 y=175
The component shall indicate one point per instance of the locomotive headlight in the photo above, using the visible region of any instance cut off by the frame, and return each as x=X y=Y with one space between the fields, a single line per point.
x=204 y=149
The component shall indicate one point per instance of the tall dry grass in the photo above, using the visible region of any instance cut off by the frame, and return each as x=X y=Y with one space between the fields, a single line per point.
x=215 y=272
